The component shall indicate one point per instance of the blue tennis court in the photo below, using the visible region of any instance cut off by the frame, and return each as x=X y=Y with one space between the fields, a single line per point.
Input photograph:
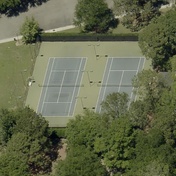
x=61 y=86
x=118 y=76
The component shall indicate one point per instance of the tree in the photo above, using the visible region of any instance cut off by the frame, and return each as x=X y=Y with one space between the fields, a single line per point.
x=9 y=6
x=29 y=30
x=166 y=115
x=157 y=41
x=14 y=159
x=152 y=154
x=84 y=129
x=33 y=152
x=35 y=127
x=30 y=123
x=136 y=13
x=138 y=114
x=22 y=120
x=120 y=143
x=155 y=168
x=13 y=163
x=7 y=122
x=27 y=133
x=81 y=161
x=148 y=85
x=81 y=134
x=94 y=16
x=173 y=63
x=115 y=104
x=14 y=7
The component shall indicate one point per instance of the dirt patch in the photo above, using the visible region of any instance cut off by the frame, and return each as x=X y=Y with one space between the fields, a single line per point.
x=62 y=147
x=62 y=151
x=18 y=42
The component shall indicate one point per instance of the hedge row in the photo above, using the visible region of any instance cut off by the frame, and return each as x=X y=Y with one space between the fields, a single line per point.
x=53 y=37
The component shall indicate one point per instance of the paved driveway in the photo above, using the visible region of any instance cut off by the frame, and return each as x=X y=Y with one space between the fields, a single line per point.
x=52 y=14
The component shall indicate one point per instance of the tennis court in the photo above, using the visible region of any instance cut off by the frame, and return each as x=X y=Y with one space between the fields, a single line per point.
x=118 y=76
x=72 y=76
x=61 y=85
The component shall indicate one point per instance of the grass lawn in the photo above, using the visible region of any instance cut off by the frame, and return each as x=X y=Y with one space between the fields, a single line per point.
x=16 y=65
x=73 y=30
x=120 y=29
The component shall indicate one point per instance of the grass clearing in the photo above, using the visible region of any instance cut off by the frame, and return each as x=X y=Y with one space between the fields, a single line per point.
x=16 y=65
x=73 y=30
x=119 y=30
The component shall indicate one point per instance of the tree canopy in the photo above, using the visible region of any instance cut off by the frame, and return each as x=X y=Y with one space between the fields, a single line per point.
x=87 y=164
x=26 y=139
x=158 y=40
x=82 y=134
x=141 y=141
x=14 y=7
x=94 y=16
x=115 y=104
x=137 y=14
x=120 y=143
x=29 y=30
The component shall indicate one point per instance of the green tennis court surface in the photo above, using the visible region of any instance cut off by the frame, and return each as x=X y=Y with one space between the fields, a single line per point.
x=61 y=86
x=118 y=77
x=72 y=76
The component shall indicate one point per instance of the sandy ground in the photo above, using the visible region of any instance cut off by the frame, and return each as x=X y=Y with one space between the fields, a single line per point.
x=62 y=150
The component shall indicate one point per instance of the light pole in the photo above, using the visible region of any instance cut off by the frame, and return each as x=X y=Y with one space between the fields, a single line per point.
x=88 y=75
x=81 y=99
x=94 y=47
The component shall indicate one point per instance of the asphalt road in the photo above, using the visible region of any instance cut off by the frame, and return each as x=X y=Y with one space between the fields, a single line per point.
x=50 y=15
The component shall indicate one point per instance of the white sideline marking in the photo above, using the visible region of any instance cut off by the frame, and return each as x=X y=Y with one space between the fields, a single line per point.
x=47 y=83
x=75 y=87
x=61 y=86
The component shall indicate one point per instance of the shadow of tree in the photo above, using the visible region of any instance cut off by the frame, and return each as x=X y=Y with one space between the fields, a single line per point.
x=56 y=144
x=14 y=9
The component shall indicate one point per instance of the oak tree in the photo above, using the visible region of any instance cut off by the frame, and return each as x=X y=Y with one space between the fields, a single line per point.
x=158 y=40
x=137 y=14
x=94 y=16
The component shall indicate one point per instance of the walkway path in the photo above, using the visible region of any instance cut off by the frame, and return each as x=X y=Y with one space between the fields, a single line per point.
x=50 y=30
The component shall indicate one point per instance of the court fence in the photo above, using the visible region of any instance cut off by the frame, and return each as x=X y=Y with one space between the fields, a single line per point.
x=54 y=37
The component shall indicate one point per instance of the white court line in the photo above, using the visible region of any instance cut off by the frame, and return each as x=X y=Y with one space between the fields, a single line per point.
x=55 y=57
x=101 y=87
x=43 y=83
x=123 y=70
x=127 y=57
x=143 y=62
x=107 y=81
x=64 y=70
x=80 y=81
x=61 y=86
x=53 y=116
x=47 y=84
x=75 y=87
x=138 y=70
x=50 y=102
x=136 y=74
x=121 y=81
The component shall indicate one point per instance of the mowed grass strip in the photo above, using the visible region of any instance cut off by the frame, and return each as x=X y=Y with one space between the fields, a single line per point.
x=16 y=65
x=120 y=29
